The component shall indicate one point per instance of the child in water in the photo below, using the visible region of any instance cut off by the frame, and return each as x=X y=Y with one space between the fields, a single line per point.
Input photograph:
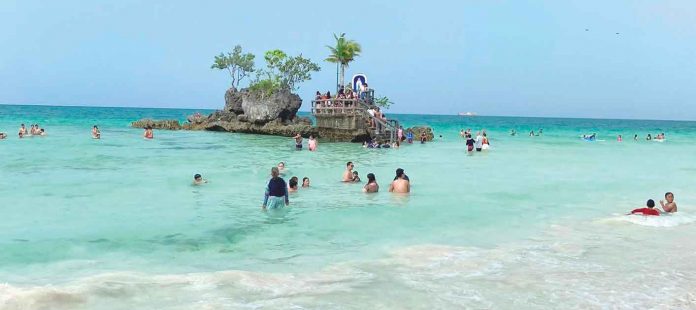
x=356 y=177
x=198 y=179
x=647 y=211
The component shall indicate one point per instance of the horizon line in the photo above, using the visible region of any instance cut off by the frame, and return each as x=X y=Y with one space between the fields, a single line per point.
x=427 y=114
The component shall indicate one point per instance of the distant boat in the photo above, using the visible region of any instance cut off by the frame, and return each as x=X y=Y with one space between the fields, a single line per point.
x=466 y=114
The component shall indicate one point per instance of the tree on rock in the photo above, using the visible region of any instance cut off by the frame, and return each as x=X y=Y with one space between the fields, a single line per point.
x=283 y=72
x=237 y=64
x=343 y=53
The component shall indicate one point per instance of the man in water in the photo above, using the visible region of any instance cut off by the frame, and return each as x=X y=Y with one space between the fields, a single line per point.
x=371 y=186
x=298 y=141
x=348 y=174
x=276 y=195
x=292 y=184
x=647 y=211
x=22 y=131
x=198 y=180
x=281 y=168
x=400 y=185
x=96 y=134
x=670 y=206
x=479 y=142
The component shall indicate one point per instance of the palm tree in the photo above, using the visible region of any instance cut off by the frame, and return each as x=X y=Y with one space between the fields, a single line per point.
x=343 y=53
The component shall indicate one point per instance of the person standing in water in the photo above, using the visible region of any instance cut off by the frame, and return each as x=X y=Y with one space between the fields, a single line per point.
x=281 y=168
x=409 y=136
x=635 y=137
x=478 y=143
x=22 y=131
x=400 y=134
x=400 y=185
x=670 y=206
x=469 y=143
x=312 y=143
x=371 y=186
x=148 y=133
x=486 y=144
x=276 y=195
x=96 y=134
x=305 y=182
x=348 y=174
x=619 y=138
x=298 y=141
x=649 y=137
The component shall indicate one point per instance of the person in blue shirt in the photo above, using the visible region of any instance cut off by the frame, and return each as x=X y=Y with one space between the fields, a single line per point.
x=276 y=195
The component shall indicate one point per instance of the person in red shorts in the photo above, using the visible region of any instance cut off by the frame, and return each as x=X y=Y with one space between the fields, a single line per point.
x=650 y=210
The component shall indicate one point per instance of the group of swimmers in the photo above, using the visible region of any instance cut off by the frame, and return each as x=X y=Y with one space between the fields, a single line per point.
x=669 y=207
x=480 y=143
x=277 y=191
x=513 y=132
x=35 y=130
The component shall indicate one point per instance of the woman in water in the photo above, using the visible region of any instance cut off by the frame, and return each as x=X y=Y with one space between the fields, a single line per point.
x=371 y=186
x=305 y=182
x=292 y=184
x=486 y=144
x=96 y=134
x=148 y=133
x=276 y=195
x=619 y=138
x=469 y=143
x=312 y=143
x=298 y=142
x=409 y=136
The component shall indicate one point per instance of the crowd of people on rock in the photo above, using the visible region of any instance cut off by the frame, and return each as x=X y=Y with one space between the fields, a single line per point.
x=343 y=98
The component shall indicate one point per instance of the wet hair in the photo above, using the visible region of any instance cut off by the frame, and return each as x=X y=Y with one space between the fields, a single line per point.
x=355 y=172
x=371 y=178
x=668 y=193
x=399 y=172
x=304 y=179
x=282 y=163
x=293 y=182
x=650 y=203
x=349 y=163
x=196 y=176
x=95 y=126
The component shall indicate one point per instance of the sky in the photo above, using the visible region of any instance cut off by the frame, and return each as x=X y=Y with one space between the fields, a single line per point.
x=493 y=57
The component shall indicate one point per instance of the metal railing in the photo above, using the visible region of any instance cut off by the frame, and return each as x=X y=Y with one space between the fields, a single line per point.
x=356 y=107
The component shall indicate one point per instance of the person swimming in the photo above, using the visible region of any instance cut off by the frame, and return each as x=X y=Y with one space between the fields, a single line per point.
x=635 y=137
x=649 y=137
x=371 y=186
x=312 y=143
x=356 y=177
x=276 y=194
x=281 y=168
x=298 y=141
x=148 y=133
x=198 y=179
x=292 y=184
x=305 y=182
x=348 y=173
x=513 y=132
x=400 y=185
x=96 y=134
x=649 y=210
x=619 y=138
x=670 y=206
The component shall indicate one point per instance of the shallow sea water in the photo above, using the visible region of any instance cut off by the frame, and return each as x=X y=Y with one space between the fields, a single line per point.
x=534 y=223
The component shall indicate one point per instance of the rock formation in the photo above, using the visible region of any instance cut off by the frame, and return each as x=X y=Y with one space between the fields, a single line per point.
x=157 y=124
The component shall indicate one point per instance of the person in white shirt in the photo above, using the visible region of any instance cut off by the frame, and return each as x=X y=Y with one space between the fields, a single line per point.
x=478 y=144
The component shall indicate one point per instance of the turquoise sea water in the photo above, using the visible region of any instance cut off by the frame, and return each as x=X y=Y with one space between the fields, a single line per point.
x=534 y=223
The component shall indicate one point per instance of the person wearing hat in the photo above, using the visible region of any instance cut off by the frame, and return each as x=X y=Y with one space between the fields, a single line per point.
x=401 y=183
